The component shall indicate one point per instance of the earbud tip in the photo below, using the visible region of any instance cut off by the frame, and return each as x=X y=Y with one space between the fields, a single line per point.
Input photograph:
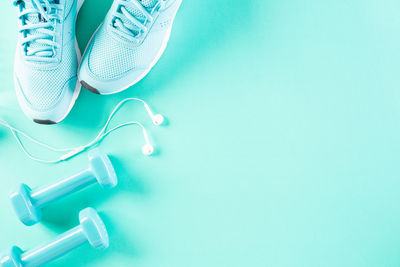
x=158 y=119
x=147 y=149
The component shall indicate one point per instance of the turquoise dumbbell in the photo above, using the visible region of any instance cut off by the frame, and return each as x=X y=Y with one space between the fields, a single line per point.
x=28 y=203
x=91 y=229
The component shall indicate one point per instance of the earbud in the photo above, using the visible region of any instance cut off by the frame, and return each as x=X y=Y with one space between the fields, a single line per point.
x=158 y=119
x=147 y=149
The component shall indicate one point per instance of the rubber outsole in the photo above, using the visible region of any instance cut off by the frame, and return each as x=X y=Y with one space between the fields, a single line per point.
x=90 y=88
x=44 y=122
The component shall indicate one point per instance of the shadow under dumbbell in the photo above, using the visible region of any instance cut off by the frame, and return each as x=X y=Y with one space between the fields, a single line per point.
x=127 y=180
x=61 y=214
x=87 y=255
x=118 y=238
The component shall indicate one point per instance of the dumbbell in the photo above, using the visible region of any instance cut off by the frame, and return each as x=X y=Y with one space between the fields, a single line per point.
x=28 y=203
x=91 y=229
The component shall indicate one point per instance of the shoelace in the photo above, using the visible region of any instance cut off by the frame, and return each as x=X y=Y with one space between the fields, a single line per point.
x=39 y=20
x=130 y=25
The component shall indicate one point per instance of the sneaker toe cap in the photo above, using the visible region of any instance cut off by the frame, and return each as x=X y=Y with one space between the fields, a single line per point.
x=46 y=103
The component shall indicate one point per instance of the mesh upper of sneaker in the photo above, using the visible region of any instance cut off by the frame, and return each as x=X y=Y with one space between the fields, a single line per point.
x=41 y=83
x=109 y=58
x=43 y=87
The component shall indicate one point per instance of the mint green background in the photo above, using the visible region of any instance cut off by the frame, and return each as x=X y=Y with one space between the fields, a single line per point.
x=282 y=147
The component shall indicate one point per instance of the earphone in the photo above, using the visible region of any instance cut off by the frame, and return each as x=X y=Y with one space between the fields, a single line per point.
x=157 y=119
x=147 y=149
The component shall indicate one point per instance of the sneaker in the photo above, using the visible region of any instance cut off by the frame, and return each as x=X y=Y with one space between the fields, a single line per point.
x=127 y=44
x=47 y=58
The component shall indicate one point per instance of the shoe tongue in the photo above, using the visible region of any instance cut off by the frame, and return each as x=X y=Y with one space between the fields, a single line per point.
x=147 y=4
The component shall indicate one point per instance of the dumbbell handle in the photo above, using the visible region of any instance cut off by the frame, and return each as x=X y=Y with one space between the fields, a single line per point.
x=52 y=250
x=46 y=194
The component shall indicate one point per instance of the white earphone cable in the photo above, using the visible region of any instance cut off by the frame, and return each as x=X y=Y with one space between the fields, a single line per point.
x=147 y=149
